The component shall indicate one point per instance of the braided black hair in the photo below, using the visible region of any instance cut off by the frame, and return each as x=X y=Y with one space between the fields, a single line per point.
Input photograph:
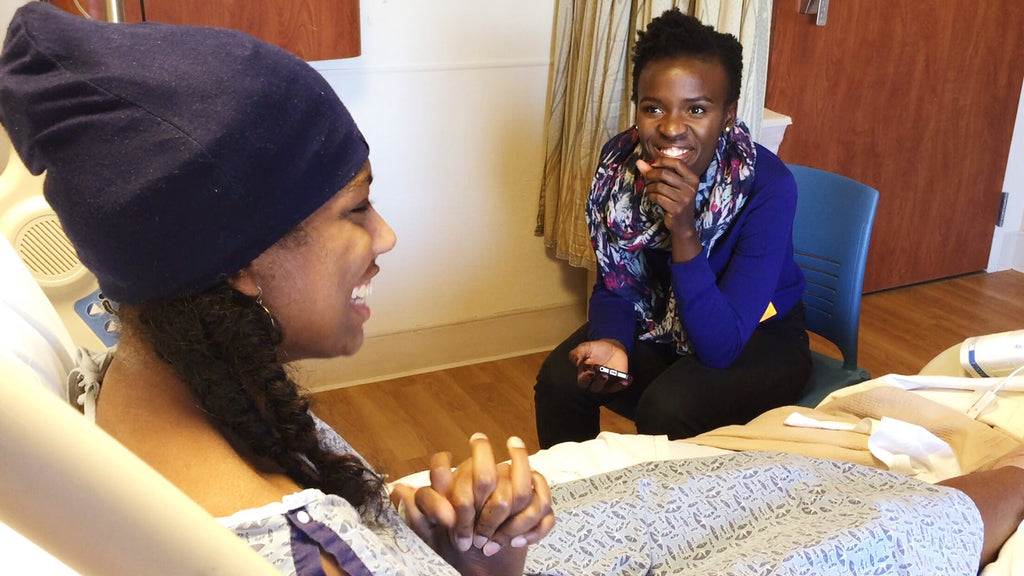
x=674 y=34
x=224 y=346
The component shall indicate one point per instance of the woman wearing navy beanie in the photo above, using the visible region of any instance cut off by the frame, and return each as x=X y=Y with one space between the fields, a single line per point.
x=218 y=189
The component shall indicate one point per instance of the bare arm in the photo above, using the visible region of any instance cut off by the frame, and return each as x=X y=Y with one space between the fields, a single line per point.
x=999 y=496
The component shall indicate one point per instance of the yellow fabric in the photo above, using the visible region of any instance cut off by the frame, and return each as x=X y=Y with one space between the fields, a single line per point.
x=975 y=444
x=769 y=312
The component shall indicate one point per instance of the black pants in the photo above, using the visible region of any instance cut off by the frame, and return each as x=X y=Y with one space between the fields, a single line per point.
x=677 y=395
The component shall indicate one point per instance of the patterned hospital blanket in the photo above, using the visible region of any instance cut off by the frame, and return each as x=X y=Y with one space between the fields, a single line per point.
x=757 y=513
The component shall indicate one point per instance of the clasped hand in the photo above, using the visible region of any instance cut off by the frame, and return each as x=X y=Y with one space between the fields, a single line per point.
x=479 y=512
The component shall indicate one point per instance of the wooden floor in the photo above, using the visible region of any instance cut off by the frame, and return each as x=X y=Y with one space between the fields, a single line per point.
x=398 y=424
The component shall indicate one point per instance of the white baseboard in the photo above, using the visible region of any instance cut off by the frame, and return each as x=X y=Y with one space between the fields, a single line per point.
x=388 y=356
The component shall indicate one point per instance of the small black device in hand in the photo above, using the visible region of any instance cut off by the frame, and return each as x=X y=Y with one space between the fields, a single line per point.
x=614 y=374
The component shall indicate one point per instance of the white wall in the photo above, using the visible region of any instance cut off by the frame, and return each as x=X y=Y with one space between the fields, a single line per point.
x=7 y=8
x=451 y=97
x=1008 y=239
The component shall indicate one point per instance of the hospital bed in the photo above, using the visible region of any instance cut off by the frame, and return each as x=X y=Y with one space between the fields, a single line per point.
x=66 y=486
x=70 y=492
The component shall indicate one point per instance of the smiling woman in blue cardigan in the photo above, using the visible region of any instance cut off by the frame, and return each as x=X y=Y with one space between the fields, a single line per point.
x=698 y=298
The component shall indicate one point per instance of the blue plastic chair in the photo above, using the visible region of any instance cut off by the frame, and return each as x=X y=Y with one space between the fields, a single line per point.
x=831 y=234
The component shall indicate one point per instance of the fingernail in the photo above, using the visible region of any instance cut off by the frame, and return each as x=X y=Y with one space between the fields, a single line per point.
x=479 y=541
x=516 y=442
x=463 y=544
x=491 y=548
x=478 y=436
x=518 y=542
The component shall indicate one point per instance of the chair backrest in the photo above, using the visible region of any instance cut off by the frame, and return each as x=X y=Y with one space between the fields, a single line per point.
x=831 y=234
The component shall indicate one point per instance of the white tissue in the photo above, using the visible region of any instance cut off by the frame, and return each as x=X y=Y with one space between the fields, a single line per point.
x=910 y=449
x=905 y=448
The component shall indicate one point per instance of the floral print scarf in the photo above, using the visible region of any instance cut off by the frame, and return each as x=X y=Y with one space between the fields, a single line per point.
x=623 y=221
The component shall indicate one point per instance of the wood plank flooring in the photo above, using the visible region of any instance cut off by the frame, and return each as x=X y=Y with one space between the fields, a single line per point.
x=397 y=424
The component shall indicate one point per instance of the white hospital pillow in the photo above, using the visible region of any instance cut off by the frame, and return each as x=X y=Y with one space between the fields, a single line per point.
x=31 y=331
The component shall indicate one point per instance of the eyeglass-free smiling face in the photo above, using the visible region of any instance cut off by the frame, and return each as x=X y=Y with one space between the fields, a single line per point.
x=681 y=110
x=316 y=280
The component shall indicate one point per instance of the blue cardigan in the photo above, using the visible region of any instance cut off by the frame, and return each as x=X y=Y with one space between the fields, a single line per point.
x=722 y=297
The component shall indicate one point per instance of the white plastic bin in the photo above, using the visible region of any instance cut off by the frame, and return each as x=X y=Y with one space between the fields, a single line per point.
x=773 y=129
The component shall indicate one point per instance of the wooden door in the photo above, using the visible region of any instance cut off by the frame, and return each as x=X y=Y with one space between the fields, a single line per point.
x=917 y=99
x=96 y=9
x=310 y=29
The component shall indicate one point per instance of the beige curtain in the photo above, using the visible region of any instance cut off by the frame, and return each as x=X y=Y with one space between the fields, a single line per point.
x=589 y=96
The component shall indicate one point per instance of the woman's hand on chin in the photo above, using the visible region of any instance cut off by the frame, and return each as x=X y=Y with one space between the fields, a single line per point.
x=480 y=516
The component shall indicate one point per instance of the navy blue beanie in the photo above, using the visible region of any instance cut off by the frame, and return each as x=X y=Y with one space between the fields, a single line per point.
x=174 y=155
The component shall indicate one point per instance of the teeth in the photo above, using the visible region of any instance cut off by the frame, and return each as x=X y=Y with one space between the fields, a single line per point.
x=359 y=293
x=673 y=152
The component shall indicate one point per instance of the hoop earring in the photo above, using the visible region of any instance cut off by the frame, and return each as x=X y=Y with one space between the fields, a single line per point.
x=259 y=302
